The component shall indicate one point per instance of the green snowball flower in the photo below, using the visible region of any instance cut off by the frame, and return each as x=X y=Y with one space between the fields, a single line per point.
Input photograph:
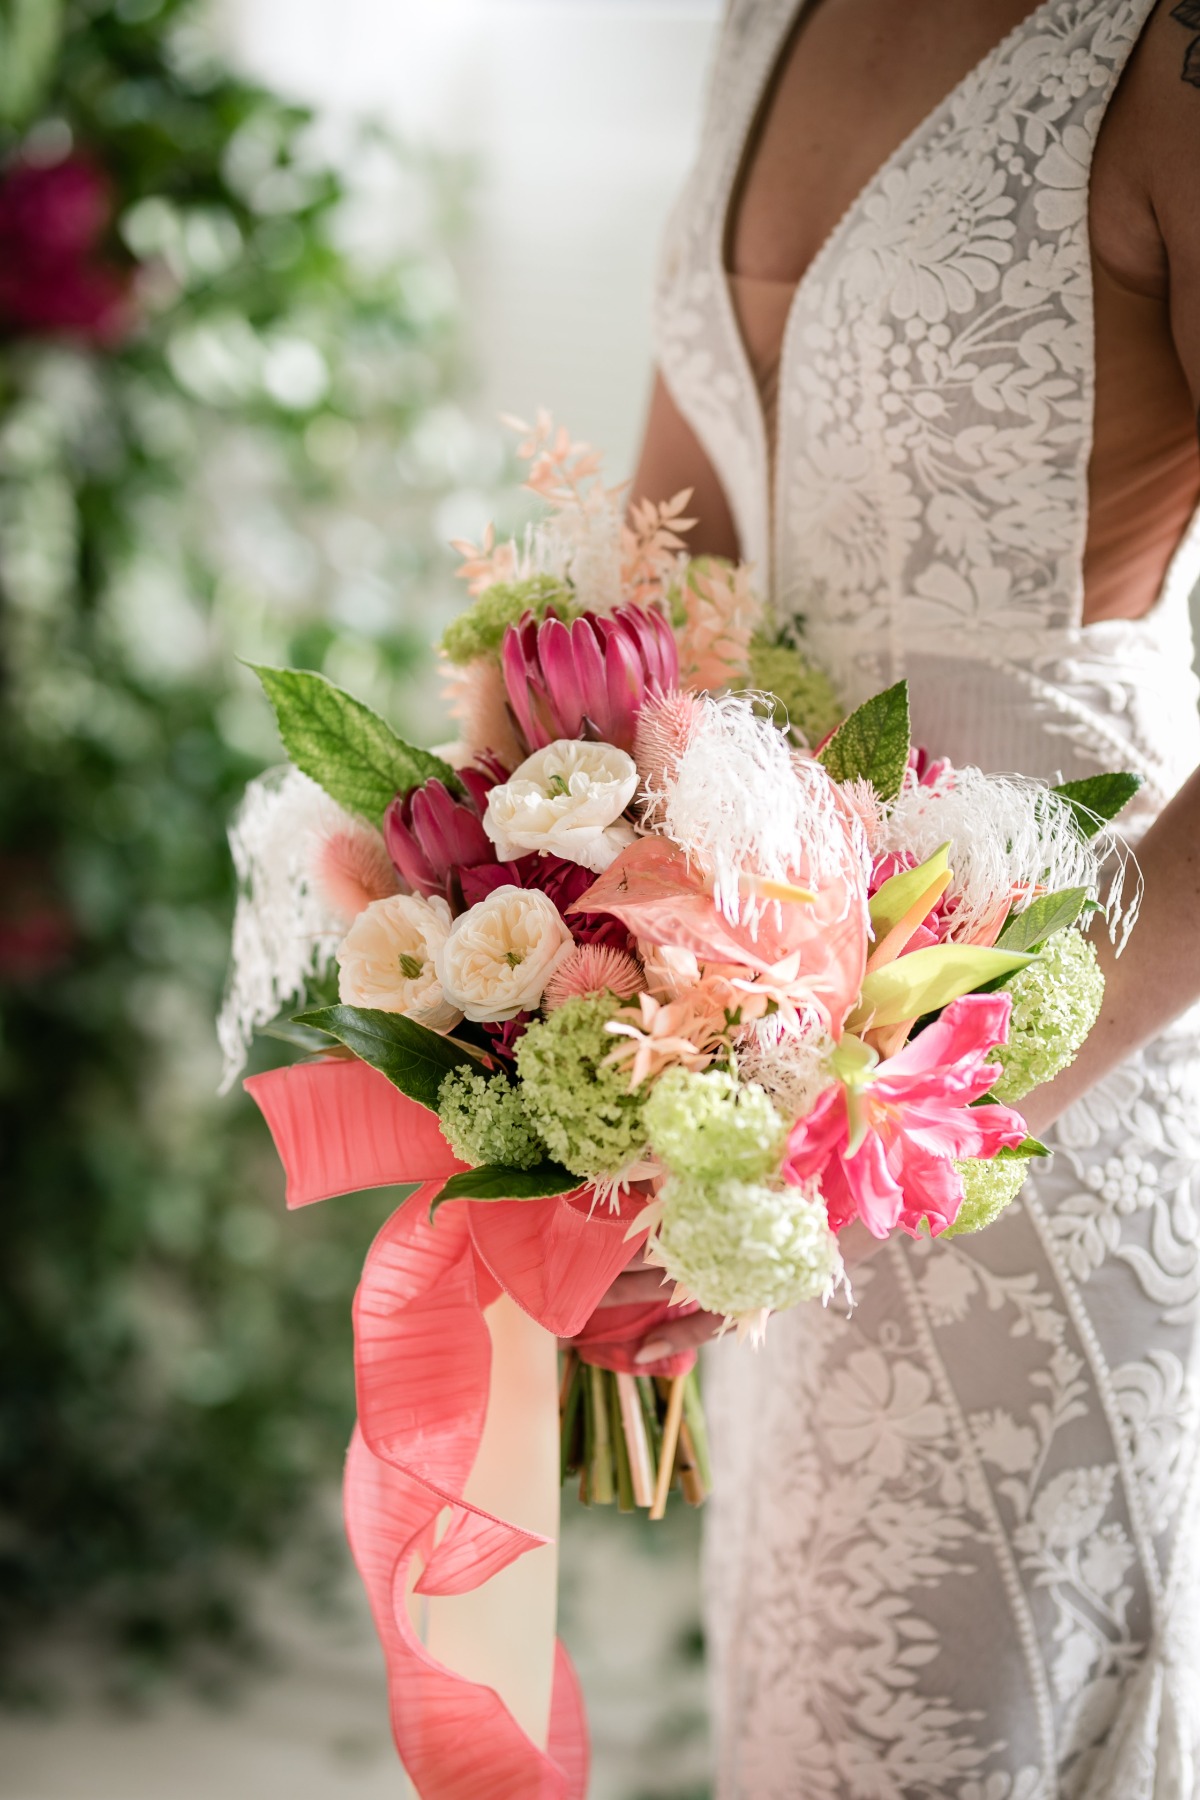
x=988 y=1187
x=483 y=1119
x=480 y=630
x=712 y=1127
x=1055 y=1002
x=807 y=698
x=580 y=1103
x=740 y=1246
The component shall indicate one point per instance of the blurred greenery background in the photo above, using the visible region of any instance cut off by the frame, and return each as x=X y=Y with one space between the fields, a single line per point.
x=232 y=424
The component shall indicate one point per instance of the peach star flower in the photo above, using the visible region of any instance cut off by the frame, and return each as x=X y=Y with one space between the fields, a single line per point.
x=676 y=1031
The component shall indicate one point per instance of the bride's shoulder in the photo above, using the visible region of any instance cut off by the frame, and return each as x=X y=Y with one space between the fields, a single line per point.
x=1145 y=205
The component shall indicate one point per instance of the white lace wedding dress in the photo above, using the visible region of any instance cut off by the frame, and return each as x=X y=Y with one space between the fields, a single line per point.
x=953 y=1548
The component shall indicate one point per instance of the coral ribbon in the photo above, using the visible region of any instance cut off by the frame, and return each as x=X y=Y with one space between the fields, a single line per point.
x=423 y=1363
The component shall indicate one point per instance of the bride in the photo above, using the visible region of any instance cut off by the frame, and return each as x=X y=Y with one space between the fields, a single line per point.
x=929 y=355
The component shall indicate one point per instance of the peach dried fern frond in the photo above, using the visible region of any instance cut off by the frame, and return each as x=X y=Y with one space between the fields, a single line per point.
x=651 y=545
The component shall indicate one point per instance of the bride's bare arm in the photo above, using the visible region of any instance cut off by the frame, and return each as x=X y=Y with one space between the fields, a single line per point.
x=672 y=459
x=1158 y=976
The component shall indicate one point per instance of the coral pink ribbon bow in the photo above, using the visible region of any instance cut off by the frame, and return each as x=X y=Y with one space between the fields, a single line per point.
x=423 y=1356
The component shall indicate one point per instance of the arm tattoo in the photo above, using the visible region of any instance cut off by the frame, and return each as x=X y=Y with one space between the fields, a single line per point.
x=1188 y=15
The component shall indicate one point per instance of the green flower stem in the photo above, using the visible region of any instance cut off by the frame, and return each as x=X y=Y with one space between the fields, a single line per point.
x=601 y=1485
x=693 y=1412
x=648 y=1396
x=620 y=1447
x=572 y=1451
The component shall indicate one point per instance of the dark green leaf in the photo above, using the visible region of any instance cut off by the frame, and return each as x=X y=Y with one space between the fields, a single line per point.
x=343 y=746
x=414 y=1059
x=1021 y=1152
x=1042 y=918
x=1098 y=798
x=492 y=1181
x=873 y=743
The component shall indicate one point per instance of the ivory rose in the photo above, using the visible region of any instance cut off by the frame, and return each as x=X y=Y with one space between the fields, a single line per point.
x=497 y=958
x=387 y=960
x=566 y=799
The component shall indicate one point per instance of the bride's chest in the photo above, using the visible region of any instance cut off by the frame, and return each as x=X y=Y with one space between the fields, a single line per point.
x=850 y=81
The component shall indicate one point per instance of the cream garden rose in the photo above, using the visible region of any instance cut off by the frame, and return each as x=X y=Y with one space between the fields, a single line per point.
x=498 y=957
x=387 y=960
x=566 y=799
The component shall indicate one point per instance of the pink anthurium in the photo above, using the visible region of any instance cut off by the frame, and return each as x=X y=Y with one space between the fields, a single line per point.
x=883 y=1141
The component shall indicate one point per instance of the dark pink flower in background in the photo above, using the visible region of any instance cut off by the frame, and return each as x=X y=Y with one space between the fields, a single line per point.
x=433 y=836
x=56 y=278
x=883 y=1146
x=589 y=678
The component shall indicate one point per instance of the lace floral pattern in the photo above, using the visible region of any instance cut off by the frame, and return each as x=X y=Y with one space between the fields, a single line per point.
x=951 y=1550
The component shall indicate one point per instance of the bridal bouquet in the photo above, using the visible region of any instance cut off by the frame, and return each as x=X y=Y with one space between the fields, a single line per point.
x=665 y=944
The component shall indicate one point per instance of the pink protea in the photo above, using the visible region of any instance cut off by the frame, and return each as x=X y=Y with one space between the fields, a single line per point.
x=884 y=1138
x=589 y=678
x=593 y=969
x=352 y=868
x=432 y=835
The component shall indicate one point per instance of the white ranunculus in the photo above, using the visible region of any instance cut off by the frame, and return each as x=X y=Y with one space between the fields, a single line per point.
x=566 y=799
x=387 y=960
x=499 y=956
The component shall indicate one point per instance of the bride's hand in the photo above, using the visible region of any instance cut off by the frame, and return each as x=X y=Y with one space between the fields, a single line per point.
x=642 y=1283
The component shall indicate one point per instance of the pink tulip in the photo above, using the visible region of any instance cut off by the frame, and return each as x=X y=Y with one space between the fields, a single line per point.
x=432 y=837
x=590 y=678
x=883 y=1142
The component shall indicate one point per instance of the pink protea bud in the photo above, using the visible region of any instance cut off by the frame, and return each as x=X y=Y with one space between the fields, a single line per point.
x=352 y=868
x=593 y=969
x=431 y=835
x=590 y=678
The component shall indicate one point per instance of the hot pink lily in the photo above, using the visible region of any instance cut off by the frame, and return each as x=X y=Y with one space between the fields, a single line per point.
x=884 y=1139
x=591 y=676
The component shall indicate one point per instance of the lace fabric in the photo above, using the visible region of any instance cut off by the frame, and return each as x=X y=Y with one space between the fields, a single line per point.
x=952 y=1548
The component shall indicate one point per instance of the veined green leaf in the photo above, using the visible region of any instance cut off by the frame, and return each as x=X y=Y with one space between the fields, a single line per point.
x=928 y=980
x=492 y=1181
x=873 y=743
x=414 y=1059
x=1042 y=918
x=345 y=747
x=899 y=895
x=1098 y=798
x=1021 y=1152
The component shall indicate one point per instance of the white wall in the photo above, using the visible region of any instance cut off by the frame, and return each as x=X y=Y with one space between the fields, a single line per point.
x=582 y=114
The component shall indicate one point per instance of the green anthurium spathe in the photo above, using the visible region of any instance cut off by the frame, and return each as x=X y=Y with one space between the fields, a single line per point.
x=927 y=980
x=897 y=896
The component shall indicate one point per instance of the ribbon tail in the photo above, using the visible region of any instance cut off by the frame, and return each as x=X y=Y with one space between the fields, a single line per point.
x=460 y=1406
x=339 y=1125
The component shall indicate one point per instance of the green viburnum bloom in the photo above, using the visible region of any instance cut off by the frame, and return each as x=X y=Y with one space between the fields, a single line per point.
x=807 y=698
x=480 y=630
x=739 y=1246
x=711 y=1126
x=580 y=1103
x=483 y=1119
x=1055 y=1002
x=988 y=1187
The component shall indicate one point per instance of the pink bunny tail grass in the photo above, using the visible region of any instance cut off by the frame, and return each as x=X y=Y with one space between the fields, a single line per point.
x=664 y=730
x=352 y=868
x=593 y=969
x=476 y=700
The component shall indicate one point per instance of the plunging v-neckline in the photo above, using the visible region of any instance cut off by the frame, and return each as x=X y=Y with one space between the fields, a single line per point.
x=791 y=17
